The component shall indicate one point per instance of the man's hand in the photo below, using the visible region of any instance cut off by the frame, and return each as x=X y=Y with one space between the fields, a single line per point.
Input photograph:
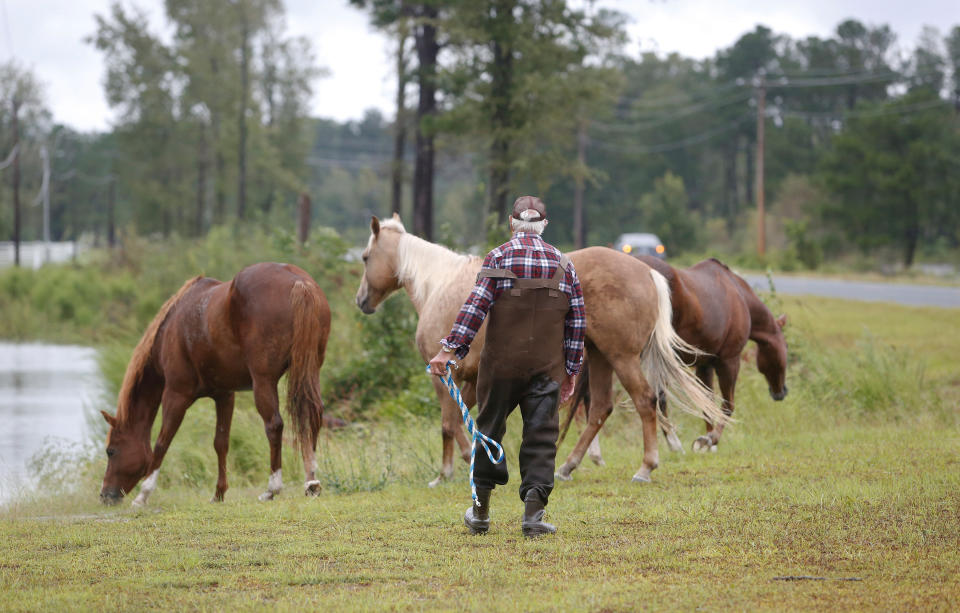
x=438 y=364
x=566 y=388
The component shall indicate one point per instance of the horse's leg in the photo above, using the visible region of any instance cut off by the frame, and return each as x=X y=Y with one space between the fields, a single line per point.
x=645 y=400
x=268 y=405
x=593 y=451
x=175 y=404
x=727 y=372
x=601 y=405
x=705 y=443
x=221 y=441
x=449 y=425
x=666 y=426
x=308 y=449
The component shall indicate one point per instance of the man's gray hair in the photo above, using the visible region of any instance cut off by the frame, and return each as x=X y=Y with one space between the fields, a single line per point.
x=518 y=225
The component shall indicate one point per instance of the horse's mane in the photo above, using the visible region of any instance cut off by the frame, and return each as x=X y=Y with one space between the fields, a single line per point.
x=141 y=353
x=422 y=265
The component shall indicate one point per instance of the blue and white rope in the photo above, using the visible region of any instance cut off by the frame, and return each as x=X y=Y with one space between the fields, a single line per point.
x=472 y=429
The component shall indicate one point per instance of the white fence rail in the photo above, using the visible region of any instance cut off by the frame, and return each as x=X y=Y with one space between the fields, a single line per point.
x=34 y=254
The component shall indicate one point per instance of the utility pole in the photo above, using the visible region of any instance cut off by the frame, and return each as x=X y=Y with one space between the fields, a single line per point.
x=579 y=227
x=303 y=218
x=16 y=181
x=45 y=195
x=758 y=168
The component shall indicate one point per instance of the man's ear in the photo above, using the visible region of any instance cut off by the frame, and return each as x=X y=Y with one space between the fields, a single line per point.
x=110 y=419
x=375 y=225
x=782 y=321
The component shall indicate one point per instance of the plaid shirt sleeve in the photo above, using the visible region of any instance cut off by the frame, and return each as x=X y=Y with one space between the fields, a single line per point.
x=473 y=312
x=575 y=325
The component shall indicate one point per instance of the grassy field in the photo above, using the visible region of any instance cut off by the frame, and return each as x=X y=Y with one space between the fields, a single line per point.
x=854 y=478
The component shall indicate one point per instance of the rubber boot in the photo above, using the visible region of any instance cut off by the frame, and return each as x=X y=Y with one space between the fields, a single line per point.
x=532 y=523
x=477 y=518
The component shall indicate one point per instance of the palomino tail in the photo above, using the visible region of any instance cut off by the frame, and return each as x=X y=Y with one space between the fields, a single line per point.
x=665 y=370
x=311 y=326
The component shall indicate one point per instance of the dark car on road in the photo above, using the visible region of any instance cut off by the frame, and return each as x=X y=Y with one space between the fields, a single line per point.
x=641 y=243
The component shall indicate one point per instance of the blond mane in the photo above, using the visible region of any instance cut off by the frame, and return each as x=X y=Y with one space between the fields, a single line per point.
x=424 y=267
x=141 y=353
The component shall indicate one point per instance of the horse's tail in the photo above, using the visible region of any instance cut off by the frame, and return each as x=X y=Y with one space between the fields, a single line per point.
x=665 y=370
x=311 y=327
x=580 y=395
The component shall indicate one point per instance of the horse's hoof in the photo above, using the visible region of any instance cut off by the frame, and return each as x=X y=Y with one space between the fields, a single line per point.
x=216 y=498
x=137 y=503
x=435 y=482
x=563 y=475
x=312 y=488
x=598 y=461
x=702 y=444
x=713 y=448
x=638 y=478
x=266 y=496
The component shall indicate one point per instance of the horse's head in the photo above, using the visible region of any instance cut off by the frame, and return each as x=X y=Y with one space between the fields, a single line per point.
x=380 y=264
x=128 y=459
x=772 y=359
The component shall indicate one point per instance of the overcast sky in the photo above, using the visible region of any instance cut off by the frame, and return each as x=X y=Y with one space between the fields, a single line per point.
x=48 y=36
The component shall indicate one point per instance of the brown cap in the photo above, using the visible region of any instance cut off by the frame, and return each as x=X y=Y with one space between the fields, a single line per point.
x=529 y=203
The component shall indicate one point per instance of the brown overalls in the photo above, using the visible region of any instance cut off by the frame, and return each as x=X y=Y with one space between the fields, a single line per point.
x=522 y=363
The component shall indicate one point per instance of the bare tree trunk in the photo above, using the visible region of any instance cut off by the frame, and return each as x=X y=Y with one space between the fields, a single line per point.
x=400 y=123
x=502 y=94
x=579 y=228
x=242 y=118
x=16 y=182
x=202 y=163
x=427 y=50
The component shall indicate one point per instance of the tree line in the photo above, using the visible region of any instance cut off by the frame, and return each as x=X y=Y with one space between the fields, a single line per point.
x=497 y=97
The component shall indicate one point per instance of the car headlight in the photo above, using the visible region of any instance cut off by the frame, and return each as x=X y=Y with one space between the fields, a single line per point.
x=660 y=249
x=627 y=248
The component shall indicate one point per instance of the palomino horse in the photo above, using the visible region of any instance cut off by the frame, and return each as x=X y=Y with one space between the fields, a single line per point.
x=716 y=311
x=211 y=339
x=619 y=292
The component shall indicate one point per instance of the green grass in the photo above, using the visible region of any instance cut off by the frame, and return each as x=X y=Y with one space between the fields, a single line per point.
x=855 y=475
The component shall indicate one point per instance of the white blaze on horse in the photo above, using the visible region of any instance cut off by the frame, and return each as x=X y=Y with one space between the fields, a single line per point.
x=628 y=333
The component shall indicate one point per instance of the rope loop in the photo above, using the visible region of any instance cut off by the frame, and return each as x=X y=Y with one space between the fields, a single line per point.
x=475 y=434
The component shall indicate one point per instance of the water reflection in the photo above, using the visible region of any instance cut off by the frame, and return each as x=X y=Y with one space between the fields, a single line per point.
x=44 y=390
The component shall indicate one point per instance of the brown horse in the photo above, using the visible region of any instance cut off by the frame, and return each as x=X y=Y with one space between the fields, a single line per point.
x=617 y=289
x=716 y=311
x=211 y=339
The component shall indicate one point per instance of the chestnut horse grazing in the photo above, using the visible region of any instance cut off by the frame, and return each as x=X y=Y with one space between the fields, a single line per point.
x=716 y=311
x=628 y=331
x=211 y=339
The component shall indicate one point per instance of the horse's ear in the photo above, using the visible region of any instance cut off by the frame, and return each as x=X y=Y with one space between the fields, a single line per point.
x=110 y=419
x=396 y=216
x=782 y=321
x=374 y=225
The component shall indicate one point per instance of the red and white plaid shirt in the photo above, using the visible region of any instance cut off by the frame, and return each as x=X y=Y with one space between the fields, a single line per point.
x=529 y=257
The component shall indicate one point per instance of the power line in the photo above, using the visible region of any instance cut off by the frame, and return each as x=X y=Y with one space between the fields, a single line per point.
x=901 y=110
x=680 y=113
x=670 y=146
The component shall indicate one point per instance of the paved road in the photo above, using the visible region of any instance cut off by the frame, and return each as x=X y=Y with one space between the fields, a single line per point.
x=913 y=295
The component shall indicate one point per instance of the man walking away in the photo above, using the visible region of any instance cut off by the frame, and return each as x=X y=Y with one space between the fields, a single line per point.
x=534 y=347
